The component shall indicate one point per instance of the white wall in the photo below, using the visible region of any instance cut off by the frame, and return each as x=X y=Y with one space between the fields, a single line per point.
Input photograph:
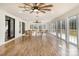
x=2 y=25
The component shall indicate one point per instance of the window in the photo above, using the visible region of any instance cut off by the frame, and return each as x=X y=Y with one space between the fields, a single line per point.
x=63 y=35
x=38 y=26
x=59 y=29
x=54 y=28
x=73 y=29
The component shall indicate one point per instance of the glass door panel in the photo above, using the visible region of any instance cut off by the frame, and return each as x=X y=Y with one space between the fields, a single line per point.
x=63 y=35
x=59 y=29
x=73 y=29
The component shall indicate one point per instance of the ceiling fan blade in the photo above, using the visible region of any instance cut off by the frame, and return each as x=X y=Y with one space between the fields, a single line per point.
x=41 y=4
x=23 y=7
x=46 y=6
x=25 y=10
x=46 y=9
x=31 y=11
x=35 y=4
x=27 y=4
x=42 y=11
x=37 y=12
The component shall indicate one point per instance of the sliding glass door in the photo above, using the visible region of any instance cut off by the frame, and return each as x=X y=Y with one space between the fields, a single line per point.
x=67 y=29
x=73 y=29
x=10 y=28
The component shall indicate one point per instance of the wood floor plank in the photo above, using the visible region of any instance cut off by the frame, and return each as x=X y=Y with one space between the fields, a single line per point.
x=34 y=46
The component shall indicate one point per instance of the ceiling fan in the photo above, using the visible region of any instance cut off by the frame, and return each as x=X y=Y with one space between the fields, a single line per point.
x=37 y=21
x=36 y=7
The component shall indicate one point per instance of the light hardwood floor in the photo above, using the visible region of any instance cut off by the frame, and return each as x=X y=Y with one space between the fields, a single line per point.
x=31 y=46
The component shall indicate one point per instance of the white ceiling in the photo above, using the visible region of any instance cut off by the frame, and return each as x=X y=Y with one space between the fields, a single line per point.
x=57 y=10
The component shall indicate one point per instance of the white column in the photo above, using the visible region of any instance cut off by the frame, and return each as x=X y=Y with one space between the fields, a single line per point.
x=78 y=31
x=61 y=29
x=67 y=30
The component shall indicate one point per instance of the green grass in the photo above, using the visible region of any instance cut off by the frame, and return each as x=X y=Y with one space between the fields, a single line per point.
x=71 y=32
